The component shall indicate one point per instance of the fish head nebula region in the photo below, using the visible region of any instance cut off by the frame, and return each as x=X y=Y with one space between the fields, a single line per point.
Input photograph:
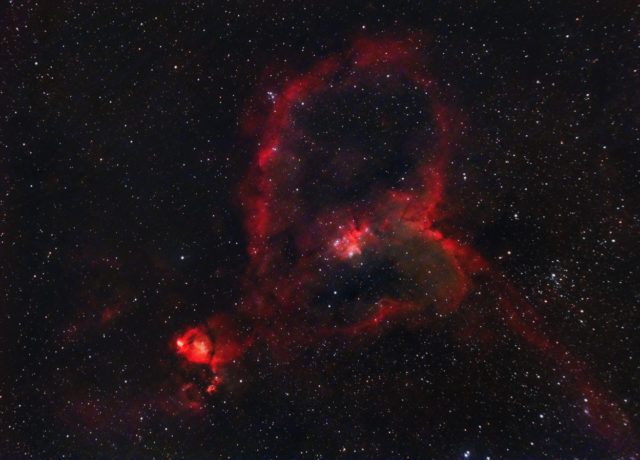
x=319 y=230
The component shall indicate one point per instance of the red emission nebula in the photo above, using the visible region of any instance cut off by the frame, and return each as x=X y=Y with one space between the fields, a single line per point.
x=324 y=213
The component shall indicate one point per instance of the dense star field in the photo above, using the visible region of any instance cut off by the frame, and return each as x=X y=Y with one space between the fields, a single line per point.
x=237 y=229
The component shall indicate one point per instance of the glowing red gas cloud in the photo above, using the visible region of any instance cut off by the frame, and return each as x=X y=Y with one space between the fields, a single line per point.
x=294 y=248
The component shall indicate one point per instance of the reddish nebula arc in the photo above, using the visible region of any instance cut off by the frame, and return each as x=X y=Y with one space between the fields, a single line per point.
x=302 y=231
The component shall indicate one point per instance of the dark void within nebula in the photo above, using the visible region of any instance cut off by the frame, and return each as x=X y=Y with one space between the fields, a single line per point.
x=351 y=231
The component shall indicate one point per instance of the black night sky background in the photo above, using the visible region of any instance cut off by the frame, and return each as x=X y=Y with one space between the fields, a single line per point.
x=170 y=290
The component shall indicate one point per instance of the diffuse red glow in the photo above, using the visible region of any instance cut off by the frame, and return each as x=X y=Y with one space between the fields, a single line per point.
x=384 y=314
x=403 y=223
